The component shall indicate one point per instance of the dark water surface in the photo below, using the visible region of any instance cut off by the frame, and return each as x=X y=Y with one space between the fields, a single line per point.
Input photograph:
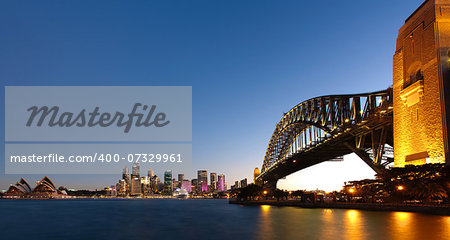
x=205 y=219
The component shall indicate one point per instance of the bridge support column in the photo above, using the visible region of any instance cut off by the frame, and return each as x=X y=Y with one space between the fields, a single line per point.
x=366 y=158
x=270 y=186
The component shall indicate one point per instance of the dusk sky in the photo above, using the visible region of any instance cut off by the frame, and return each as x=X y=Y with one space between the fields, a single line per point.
x=248 y=62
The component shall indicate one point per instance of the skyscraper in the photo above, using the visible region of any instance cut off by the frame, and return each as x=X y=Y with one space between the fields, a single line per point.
x=135 y=181
x=221 y=183
x=168 y=182
x=202 y=177
x=136 y=170
x=126 y=177
x=213 y=180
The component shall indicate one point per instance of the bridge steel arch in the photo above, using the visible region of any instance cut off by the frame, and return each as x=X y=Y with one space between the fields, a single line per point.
x=328 y=127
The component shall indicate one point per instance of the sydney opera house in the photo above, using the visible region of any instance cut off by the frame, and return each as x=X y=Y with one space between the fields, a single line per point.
x=44 y=189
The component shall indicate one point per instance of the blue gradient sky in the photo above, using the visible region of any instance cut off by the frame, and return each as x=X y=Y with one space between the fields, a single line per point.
x=247 y=61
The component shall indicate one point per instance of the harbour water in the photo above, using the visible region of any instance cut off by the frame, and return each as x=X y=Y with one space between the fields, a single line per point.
x=205 y=219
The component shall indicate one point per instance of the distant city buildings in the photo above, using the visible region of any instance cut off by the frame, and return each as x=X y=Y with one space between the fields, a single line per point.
x=135 y=185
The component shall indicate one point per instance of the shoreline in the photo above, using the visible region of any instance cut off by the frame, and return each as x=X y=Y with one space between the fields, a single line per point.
x=443 y=209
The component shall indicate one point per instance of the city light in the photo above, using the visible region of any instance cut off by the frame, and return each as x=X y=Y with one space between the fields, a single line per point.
x=351 y=190
x=400 y=188
x=265 y=192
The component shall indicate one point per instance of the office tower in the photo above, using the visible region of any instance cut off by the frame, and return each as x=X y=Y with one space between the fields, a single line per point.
x=213 y=180
x=150 y=173
x=202 y=177
x=168 y=182
x=135 y=170
x=186 y=185
x=236 y=184
x=180 y=177
x=122 y=187
x=135 y=186
x=126 y=177
x=221 y=183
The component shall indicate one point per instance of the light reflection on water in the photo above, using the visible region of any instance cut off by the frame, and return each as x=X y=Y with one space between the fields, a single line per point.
x=206 y=219
x=298 y=223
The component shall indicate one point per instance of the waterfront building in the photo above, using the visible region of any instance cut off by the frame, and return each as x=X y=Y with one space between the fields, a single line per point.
x=186 y=185
x=213 y=180
x=168 y=188
x=135 y=186
x=221 y=183
x=44 y=189
x=243 y=183
x=202 y=176
x=122 y=188
x=255 y=174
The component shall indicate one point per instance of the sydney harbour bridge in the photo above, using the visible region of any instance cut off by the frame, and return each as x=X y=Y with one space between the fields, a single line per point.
x=329 y=127
x=408 y=123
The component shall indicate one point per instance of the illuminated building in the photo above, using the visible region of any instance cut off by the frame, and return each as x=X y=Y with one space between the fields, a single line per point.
x=213 y=179
x=135 y=170
x=168 y=188
x=255 y=174
x=44 y=189
x=204 y=186
x=122 y=188
x=135 y=181
x=126 y=177
x=421 y=86
x=221 y=183
x=202 y=176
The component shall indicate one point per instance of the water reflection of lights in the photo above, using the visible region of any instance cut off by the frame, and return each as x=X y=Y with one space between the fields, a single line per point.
x=327 y=211
x=353 y=225
x=265 y=208
x=402 y=216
